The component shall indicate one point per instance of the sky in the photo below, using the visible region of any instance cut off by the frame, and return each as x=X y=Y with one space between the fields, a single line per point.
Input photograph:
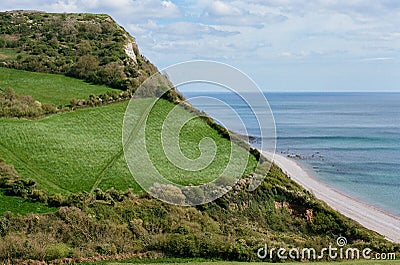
x=283 y=45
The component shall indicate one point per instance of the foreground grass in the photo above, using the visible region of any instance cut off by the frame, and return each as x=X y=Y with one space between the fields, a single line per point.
x=48 y=88
x=173 y=261
x=82 y=150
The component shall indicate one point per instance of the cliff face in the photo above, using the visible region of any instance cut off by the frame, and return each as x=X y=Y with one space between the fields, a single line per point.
x=86 y=46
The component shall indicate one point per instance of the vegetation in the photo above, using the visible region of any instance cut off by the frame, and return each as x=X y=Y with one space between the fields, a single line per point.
x=82 y=150
x=6 y=53
x=64 y=147
x=85 y=46
x=66 y=193
x=18 y=205
x=13 y=190
x=190 y=262
x=13 y=105
x=57 y=90
x=230 y=228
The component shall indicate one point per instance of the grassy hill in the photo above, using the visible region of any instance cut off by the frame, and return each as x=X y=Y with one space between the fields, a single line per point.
x=86 y=46
x=48 y=88
x=69 y=152
x=69 y=180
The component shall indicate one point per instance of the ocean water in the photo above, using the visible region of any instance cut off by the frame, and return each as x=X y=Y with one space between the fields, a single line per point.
x=351 y=141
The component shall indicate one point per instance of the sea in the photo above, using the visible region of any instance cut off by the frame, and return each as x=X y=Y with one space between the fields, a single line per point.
x=350 y=141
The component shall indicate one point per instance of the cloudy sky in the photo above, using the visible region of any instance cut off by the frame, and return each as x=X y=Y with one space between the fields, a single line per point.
x=284 y=45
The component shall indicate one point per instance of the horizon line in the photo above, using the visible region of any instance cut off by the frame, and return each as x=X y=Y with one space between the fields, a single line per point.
x=296 y=91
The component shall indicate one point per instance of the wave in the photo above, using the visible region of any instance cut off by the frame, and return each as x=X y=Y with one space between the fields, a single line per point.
x=375 y=183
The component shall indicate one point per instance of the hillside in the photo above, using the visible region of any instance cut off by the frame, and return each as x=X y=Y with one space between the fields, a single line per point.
x=66 y=193
x=72 y=150
x=90 y=47
x=58 y=90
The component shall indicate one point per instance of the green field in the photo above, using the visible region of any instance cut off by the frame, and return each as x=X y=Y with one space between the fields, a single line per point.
x=82 y=150
x=48 y=88
x=22 y=206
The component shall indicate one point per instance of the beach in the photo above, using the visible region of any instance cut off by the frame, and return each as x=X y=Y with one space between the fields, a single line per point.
x=368 y=216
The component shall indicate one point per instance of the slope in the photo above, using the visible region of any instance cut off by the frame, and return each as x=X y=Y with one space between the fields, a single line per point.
x=48 y=88
x=86 y=46
x=71 y=152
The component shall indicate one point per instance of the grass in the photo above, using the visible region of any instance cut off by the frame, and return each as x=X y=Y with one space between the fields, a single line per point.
x=189 y=262
x=177 y=128
x=82 y=150
x=48 y=88
x=22 y=206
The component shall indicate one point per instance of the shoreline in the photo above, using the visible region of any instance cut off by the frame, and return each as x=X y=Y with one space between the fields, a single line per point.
x=372 y=218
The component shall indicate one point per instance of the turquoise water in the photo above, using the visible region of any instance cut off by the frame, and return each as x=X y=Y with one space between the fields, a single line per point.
x=351 y=141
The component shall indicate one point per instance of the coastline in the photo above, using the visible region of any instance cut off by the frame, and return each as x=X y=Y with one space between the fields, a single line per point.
x=368 y=216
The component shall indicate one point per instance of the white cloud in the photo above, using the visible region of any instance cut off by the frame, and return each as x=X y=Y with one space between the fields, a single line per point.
x=196 y=29
x=180 y=29
x=219 y=8
x=123 y=10
x=379 y=59
x=239 y=14
x=257 y=31
x=70 y=6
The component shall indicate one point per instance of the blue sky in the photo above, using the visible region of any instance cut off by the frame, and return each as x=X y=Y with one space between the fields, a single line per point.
x=284 y=45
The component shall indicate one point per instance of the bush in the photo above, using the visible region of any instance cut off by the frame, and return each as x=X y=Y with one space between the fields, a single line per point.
x=106 y=249
x=48 y=108
x=325 y=223
x=39 y=195
x=13 y=105
x=57 y=200
x=194 y=195
x=20 y=187
x=4 y=222
x=168 y=192
x=58 y=251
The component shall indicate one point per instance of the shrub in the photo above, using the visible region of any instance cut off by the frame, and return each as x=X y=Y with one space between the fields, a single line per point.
x=39 y=195
x=13 y=105
x=48 y=108
x=168 y=192
x=137 y=229
x=73 y=102
x=325 y=223
x=58 y=251
x=106 y=249
x=20 y=187
x=194 y=195
x=57 y=200
x=4 y=223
